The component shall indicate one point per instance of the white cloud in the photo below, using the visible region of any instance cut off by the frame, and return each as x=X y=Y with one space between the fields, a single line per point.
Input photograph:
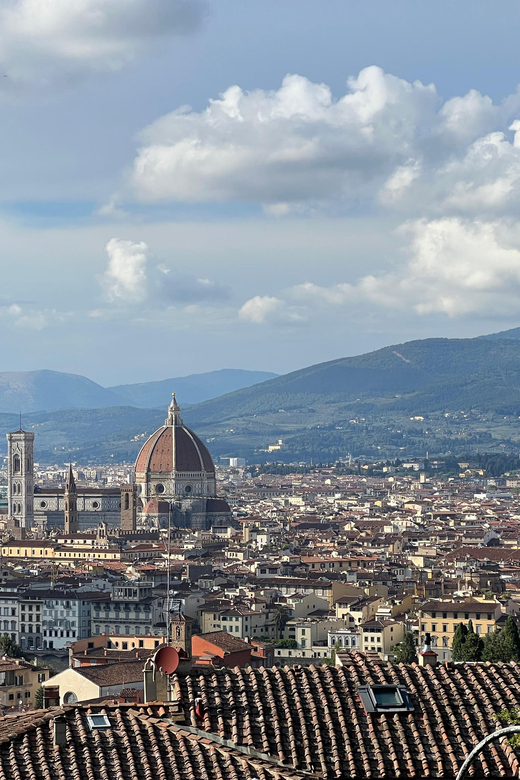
x=260 y=308
x=294 y=144
x=454 y=267
x=131 y=277
x=457 y=267
x=125 y=278
x=386 y=141
x=44 y=39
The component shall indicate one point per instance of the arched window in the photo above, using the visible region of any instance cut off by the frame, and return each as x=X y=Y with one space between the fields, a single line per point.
x=127 y=501
x=16 y=464
x=70 y=698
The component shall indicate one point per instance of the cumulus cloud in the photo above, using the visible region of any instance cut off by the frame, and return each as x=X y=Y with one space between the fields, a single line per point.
x=132 y=276
x=453 y=267
x=386 y=141
x=125 y=278
x=291 y=145
x=42 y=39
x=268 y=309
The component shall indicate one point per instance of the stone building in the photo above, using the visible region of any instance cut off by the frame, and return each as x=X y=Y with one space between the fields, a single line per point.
x=174 y=473
x=174 y=478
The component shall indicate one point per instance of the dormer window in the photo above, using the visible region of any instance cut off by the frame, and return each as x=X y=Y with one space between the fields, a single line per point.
x=385 y=698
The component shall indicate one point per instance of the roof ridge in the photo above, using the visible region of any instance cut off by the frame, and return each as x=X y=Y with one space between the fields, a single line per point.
x=228 y=745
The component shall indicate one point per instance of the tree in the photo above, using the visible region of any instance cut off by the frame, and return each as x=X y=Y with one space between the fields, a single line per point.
x=9 y=647
x=472 y=647
x=290 y=643
x=39 y=698
x=510 y=640
x=492 y=647
x=459 y=638
x=405 y=652
x=503 y=645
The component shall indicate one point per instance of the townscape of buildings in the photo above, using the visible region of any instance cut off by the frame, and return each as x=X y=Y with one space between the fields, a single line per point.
x=237 y=570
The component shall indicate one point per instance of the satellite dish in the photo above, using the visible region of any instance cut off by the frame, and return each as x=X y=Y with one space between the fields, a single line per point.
x=166 y=659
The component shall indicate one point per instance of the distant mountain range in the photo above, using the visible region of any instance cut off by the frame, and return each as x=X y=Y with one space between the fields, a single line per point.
x=435 y=395
x=30 y=391
x=189 y=389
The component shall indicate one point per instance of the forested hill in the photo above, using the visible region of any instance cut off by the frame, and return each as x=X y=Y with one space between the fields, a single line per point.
x=418 y=376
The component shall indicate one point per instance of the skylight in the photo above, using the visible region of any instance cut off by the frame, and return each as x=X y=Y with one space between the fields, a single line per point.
x=98 y=721
x=385 y=698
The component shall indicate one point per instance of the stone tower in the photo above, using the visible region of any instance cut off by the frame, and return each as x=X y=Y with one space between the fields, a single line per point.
x=20 y=477
x=181 y=629
x=128 y=507
x=71 y=504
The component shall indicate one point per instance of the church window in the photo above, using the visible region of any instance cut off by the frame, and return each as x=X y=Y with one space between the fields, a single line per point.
x=127 y=501
x=159 y=488
x=187 y=489
x=16 y=463
x=95 y=504
x=43 y=504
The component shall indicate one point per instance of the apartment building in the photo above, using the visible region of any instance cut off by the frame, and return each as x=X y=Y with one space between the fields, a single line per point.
x=9 y=615
x=19 y=681
x=380 y=636
x=240 y=621
x=441 y=618
x=130 y=609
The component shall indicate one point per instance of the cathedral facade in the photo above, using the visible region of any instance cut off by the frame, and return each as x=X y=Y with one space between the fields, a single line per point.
x=174 y=481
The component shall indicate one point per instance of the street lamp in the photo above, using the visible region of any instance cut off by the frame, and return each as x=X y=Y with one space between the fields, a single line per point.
x=482 y=744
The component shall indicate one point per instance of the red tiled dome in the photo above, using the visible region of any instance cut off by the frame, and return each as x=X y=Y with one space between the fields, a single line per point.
x=173 y=447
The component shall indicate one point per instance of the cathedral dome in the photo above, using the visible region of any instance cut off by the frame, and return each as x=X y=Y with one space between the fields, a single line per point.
x=174 y=461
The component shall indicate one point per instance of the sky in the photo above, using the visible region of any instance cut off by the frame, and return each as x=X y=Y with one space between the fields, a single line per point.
x=188 y=185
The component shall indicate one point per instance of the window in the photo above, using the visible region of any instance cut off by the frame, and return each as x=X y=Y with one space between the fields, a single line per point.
x=98 y=721
x=385 y=698
x=444 y=615
x=444 y=628
x=434 y=626
x=489 y=617
x=41 y=677
x=434 y=614
x=445 y=641
x=477 y=616
x=423 y=626
x=466 y=616
x=478 y=628
x=455 y=615
x=27 y=694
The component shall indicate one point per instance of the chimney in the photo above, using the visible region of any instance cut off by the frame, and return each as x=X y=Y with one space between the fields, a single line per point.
x=427 y=656
x=60 y=732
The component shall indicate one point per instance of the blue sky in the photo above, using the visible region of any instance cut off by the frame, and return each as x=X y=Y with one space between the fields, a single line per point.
x=190 y=186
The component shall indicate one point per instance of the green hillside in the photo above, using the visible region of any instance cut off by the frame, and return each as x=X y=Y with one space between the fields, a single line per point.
x=436 y=395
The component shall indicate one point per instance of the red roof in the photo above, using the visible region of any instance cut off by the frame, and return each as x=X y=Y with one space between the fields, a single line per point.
x=174 y=448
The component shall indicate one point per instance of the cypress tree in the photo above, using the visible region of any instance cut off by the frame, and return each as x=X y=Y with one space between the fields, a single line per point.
x=405 y=652
x=459 y=638
x=510 y=641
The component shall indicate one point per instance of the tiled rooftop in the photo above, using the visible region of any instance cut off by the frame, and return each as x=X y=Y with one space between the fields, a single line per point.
x=313 y=718
x=140 y=744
